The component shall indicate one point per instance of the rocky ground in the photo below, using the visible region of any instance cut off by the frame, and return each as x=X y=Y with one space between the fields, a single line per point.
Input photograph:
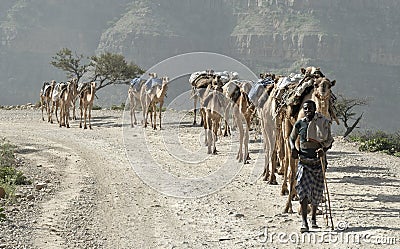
x=120 y=187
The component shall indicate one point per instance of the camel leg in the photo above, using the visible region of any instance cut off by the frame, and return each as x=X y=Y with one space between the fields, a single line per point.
x=272 y=178
x=292 y=183
x=132 y=112
x=287 y=161
x=81 y=111
x=154 y=124
x=246 y=138
x=214 y=134
x=161 y=105
x=134 y=116
x=49 y=106
x=146 y=112
x=67 y=117
x=61 y=117
x=84 y=117
x=42 y=106
x=73 y=109
x=208 y=122
x=58 y=121
x=51 y=113
x=90 y=116
x=227 y=131
x=194 y=110
x=205 y=133
x=269 y=132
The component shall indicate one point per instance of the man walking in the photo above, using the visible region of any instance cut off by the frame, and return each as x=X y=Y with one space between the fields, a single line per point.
x=314 y=131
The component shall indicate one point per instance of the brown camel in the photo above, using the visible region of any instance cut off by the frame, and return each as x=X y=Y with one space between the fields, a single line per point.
x=269 y=132
x=214 y=107
x=74 y=95
x=240 y=103
x=320 y=94
x=66 y=96
x=86 y=98
x=46 y=93
x=156 y=96
x=199 y=84
x=145 y=98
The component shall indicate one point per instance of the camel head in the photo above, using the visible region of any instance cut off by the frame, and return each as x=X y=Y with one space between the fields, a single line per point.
x=153 y=75
x=322 y=87
x=93 y=85
x=217 y=83
x=312 y=71
x=267 y=75
x=165 y=80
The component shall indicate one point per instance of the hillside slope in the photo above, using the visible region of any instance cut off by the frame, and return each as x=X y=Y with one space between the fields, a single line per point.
x=354 y=42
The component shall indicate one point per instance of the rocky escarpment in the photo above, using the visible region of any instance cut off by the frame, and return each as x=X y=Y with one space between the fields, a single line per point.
x=345 y=38
x=356 y=42
x=253 y=30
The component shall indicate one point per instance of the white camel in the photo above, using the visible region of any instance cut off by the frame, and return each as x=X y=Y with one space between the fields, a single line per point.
x=134 y=98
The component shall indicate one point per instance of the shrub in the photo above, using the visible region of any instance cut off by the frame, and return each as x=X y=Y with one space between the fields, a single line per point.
x=379 y=141
x=96 y=107
x=9 y=175
x=118 y=107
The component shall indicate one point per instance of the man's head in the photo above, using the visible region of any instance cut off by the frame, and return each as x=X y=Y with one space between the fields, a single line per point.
x=309 y=109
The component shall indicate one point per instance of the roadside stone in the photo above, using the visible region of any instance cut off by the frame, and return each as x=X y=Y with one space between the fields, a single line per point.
x=2 y=193
x=30 y=197
x=40 y=186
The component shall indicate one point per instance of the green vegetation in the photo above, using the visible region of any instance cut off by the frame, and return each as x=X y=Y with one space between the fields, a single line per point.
x=96 y=107
x=118 y=107
x=107 y=69
x=272 y=20
x=9 y=176
x=379 y=141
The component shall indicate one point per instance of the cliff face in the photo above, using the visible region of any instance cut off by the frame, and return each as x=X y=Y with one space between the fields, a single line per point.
x=261 y=32
x=355 y=42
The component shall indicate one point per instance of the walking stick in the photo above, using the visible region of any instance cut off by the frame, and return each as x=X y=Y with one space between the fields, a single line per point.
x=326 y=208
x=323 y=164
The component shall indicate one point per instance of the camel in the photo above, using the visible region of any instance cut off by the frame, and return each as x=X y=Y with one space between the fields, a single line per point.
x=66 y=95
x=56 y=100
x=320 y=94
x=156 y=96
x=269 y=133
x=145 y=98
x=199 y=82
x=134 y=98
x=46 y=93
x=152 y=93
x=242 y=114
x=86 y=97
x=214 y=107
x=74 y=95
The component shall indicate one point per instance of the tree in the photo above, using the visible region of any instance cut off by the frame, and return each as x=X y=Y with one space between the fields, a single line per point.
x=111 y=68
x=70 y=63
x=345 y=111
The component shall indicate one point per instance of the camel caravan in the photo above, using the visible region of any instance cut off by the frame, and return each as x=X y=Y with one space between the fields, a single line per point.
x=273 y=100
x=270 y=106
x=59 y=98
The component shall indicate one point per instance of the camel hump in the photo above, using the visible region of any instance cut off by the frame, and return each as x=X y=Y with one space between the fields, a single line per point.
x=195 y=76
x=153 y=82
x=45 y=88
x=136 y=83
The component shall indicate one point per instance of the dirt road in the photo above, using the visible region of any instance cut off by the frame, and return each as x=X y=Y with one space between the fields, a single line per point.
x=120 y=187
